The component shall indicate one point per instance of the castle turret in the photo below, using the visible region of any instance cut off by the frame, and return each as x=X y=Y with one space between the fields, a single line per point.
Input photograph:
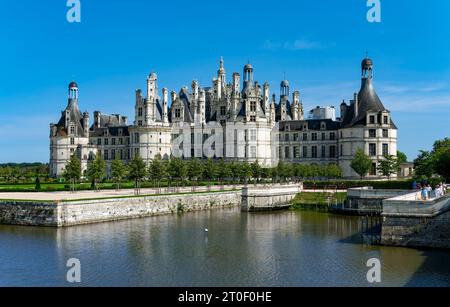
x=86 y=124
x=202 y=106
x=152 y=92
x=165 y=105
x=266 y=98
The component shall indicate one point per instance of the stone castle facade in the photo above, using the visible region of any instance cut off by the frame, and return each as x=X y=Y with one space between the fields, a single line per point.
x=236 y=121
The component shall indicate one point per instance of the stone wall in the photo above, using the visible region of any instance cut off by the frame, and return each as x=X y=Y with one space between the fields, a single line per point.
x=95 y=211
x=269 y=197
x=415 y=223
x=363 y=201
x=28 y=213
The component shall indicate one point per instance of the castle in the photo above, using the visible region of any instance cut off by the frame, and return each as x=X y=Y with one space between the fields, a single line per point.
x=238 y=121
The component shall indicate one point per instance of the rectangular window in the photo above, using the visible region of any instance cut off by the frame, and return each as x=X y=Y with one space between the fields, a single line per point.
x=253 y=106
x=305 y=136
x=140 y=123
x=120 y=141
x=223 y=111
x=113 y=141
x=296 y=152
x=385 y=133
x=372 y=133
x=105 y=155
x=314 y=152
x=324 y=151
x=253 y=152
x=252 y=119
x=323 y=136
x=136 y=138
x=385 y=120
x=372 y=119
x=332 y=136
x=385 y=149
x=332 y=152
x=372 y=150
x=177 y=113
x=305 y=152
x=286 y=137
x=72 y=130
x=287 y=152
x=253 y=135
x=314 y=136
x=113 y=154
x=295 y=137
x=99 y=142
x=140 y=112
x=106 y=141
x=72 y=141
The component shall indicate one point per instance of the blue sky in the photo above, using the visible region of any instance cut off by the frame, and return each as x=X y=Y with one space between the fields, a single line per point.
x=317 y=44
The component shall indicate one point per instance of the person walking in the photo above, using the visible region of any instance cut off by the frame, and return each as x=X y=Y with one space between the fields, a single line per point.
x=424 y=193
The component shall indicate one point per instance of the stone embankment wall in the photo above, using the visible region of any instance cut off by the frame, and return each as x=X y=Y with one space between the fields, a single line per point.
x=364 y=201
x=95 y=211
x=414 y=223
x=271 y=197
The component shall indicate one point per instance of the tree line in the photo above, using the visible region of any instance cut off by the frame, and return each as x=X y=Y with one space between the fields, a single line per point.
x=433 y=163
x=16 y=172
x=176 y=171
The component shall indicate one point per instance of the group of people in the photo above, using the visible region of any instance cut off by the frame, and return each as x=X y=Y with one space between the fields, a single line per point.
x=427 y=192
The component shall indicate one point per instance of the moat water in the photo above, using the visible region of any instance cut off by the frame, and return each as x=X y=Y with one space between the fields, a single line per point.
x=285 y=248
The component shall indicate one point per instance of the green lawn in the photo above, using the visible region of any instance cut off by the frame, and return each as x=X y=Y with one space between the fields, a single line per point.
x=306 y=199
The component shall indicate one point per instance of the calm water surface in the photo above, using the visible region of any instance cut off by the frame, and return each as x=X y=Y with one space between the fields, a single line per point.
x=285 y=248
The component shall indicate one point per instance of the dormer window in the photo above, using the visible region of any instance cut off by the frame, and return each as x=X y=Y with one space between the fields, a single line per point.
x=72 y=130
x=372 y=119
x=177 y=113
x=385 y=120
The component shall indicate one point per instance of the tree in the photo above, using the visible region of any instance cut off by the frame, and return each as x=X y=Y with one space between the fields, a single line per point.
x=333 y=171
x=361 y=163
x=37 y=185
x=118 y=171
x=256 y=171
x=177 y=169
x=223 y=170
x=281 y=170
x=209 y=170
x=72 y=173
x=401 y=157
x=137 y=171
x=96 y=170
x=388 y=166
x=442 y=163
x=245 y=172
x=194 y=170
x=424 y=165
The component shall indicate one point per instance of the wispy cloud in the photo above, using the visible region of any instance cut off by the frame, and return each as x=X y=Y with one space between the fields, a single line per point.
x=299 y=44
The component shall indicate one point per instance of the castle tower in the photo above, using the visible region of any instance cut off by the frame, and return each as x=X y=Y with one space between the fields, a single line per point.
x=266 y=99
x=165 y=106
x=367 y=69
x=202 y=106
x=248 y=75
x=152 y=92
x=221 y=74
x=284 y=88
